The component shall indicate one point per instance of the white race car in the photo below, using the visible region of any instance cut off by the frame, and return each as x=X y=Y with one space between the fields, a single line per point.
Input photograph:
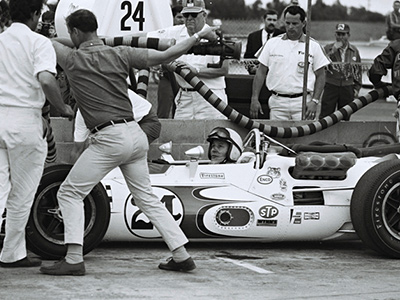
x=271 y=194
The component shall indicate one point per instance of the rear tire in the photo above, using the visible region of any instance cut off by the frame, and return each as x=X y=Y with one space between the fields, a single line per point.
x=375 y=208
x=45 y=229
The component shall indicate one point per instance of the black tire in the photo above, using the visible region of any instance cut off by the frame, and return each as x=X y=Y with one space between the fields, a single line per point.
x=45 y=229
x=375 y=208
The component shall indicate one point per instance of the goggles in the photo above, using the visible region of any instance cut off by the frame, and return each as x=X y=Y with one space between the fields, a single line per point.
x=219 y=133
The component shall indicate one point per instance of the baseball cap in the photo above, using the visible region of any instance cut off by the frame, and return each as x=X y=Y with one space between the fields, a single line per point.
x=193 y=6
x=342 y=28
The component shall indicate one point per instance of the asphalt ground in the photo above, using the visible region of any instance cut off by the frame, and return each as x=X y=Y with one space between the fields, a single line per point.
x=307 y=270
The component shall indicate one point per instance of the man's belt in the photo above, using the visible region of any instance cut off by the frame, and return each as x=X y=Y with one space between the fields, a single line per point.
x=188 y=89
x=287 y=95
x=111 y=122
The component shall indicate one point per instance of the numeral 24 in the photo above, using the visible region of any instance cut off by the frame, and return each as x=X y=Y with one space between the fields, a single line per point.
x=137 y=16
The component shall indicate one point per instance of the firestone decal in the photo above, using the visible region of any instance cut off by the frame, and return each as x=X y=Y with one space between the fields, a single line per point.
x=268 y=211
x=212 y=175
x=264 y=179
x=137 y=222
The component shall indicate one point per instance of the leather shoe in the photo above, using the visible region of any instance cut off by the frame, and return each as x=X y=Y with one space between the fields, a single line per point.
x=26 y=262
x=184 y=266
x=63 y=268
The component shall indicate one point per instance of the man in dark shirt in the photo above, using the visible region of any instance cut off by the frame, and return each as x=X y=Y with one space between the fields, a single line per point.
x=343 y=75
x=97 y=75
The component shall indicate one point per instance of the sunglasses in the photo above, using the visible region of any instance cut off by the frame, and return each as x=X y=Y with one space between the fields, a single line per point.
x=194 y=15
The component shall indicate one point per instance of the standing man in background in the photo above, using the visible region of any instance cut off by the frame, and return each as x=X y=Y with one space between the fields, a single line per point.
x=257 y=39
x=343 y=75
x=27 y=78
x=282 y=70
x=190 y=104
x=167 y=87
x=389 y=59
x=393 y=22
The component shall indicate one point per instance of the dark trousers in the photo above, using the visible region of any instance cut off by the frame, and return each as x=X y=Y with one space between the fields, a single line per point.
x=166 y=96
x=335 y=96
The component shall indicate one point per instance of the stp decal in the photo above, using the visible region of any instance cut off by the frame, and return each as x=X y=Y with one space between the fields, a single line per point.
x=268 y=211
x=137 y=222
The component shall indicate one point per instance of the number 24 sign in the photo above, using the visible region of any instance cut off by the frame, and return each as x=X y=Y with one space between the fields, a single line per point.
x=118 y=17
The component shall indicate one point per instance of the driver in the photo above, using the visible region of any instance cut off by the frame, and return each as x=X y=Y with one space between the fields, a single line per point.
x=226 y=145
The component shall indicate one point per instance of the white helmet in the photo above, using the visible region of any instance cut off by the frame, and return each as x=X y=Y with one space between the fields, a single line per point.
x=232 y=138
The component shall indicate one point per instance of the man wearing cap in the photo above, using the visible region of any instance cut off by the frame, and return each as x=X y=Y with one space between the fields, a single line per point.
x=343 y=76
x=282 y=70
x=189 y=103
x=393 y=22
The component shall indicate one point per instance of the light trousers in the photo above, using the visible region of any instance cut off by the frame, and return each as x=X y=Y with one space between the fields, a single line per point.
x=125 y=146
x=285 y=108
x=191 y=105
x=22 y=155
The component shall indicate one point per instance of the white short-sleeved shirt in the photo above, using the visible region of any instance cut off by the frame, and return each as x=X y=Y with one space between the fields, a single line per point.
x=285 y=61
x=23 y=55
x=140 y=107
x=179 y=33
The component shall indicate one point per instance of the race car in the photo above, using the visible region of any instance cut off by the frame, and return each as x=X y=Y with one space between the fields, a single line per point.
x=272 y=193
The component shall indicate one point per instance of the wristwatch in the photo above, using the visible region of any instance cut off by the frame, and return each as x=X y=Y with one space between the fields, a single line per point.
x=316 y=101
x=197 y=36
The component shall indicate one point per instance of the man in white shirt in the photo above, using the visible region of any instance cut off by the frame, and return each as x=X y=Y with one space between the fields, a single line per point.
x=189 y=103
x=27 y=78
x=282 y=69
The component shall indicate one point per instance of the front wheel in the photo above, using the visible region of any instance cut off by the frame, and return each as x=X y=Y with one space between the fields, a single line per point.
x=375 y=208
x=45 y=228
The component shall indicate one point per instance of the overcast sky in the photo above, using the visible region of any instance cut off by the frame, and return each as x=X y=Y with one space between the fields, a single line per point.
x=381 y=6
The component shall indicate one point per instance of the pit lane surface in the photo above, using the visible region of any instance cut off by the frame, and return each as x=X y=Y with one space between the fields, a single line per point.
x=330 y=270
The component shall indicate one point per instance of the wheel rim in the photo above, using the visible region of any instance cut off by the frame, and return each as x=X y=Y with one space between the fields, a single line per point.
x=391 y=211
x=47 y=215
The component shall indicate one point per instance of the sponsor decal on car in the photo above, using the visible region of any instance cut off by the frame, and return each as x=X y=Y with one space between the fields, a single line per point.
x=137 y=222
x=311 y=215
x=283 y=185
x=264 y=179
x=274 y=172
x=270 y=223
x=278 y=196
x=268 y=211
x=295 y=217
x=212 y=175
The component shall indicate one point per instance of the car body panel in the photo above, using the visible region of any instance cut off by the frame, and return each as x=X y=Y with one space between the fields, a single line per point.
x=240 y=202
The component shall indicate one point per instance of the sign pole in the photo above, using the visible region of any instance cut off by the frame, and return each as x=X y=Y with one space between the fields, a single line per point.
x=306 y=66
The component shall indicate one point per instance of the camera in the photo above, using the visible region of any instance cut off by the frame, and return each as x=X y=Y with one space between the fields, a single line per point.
x=226 y=49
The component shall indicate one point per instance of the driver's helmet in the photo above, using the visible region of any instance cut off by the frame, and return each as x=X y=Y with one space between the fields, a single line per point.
x=228 y=135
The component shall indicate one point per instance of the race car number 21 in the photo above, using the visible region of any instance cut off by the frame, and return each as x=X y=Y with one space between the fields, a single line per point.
x=137 y=15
